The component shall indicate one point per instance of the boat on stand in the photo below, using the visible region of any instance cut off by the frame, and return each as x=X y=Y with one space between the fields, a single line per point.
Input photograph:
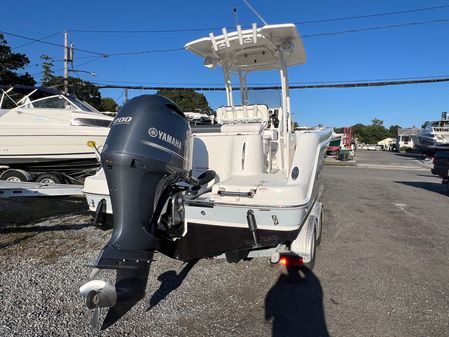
x=246 y=186
x=434 y=136
x=44 y=135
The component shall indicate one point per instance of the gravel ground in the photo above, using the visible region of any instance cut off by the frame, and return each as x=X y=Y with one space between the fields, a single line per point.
x=43 y=265
x=382 y=268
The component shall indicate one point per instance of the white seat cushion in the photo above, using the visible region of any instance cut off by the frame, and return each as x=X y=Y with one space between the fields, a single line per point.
x=243 y=113
x=243 y=128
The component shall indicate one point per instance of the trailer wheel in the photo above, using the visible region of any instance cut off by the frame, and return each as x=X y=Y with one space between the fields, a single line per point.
x=309 y=265
x=48 y=178
x=320 y=228
x=15 y=176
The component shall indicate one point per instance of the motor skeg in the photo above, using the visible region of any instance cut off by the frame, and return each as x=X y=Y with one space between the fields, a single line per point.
x=147 y=150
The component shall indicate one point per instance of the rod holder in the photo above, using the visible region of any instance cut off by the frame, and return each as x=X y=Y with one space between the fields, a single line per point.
x=252 y=226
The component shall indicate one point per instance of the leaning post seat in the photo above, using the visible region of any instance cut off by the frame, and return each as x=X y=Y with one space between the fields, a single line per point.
x=257 y=113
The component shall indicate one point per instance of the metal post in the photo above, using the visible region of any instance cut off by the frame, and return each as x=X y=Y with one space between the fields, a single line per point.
x=126 y=95
x=243 y=98
x=66 y=62
x=285 y=112
x=228 y=85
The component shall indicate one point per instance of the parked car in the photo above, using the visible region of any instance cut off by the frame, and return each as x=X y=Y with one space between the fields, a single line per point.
x=405 y=142
x=371 y=147
x=394 y=147
x=441 y=166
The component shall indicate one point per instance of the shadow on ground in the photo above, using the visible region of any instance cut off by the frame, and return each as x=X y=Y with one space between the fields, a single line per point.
x=44 y=228
x=428 y=176
x=25 y=211
x=170 y=281
x=23 y=218
x=295 y=305
x=433 y=187
x=410 y=154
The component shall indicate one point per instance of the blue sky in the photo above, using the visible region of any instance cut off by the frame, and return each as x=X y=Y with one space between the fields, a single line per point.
x=413 y=51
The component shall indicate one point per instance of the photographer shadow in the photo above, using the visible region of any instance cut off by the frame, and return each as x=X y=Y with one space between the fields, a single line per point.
x=295 y=305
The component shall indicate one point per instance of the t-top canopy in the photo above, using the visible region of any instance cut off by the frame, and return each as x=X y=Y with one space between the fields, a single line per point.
x=251 y=49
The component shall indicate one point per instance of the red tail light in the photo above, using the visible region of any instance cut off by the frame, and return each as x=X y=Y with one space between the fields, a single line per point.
x=291 y=260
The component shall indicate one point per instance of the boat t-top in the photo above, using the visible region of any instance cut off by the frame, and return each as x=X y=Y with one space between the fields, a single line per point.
x=245 y=187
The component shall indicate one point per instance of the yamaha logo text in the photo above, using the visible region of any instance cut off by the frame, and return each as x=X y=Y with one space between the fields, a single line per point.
x=155 y=133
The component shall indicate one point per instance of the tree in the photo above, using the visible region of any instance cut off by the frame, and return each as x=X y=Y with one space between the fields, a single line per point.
x=358 y=130
x=10 y=63
x=370 y=134
x=186 y=99
x=108 y=104
x=339 y=130
x=47 y=69
x=393 y=130
x=377 y=122
x=84 y=90
x=425 y=124
x=376 y=133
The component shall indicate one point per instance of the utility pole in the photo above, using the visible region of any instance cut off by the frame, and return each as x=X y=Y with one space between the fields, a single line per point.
x=66 y=62
x=126 y=95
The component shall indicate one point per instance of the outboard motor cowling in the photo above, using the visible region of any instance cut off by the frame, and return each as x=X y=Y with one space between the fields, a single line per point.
x=147 y=151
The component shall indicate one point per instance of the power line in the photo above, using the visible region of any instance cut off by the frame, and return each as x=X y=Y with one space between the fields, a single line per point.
x=180 y=30
x=95 y=52
x=38 y=40
x=160 y=83
x=376 y=28
x=40 y=72
x=272 y=83
x=146 y=52
x=80 y=58
x=95 y=59
x=168 y=50
x=305 y=86
x=375 y=15
x=58 y=70
x=51 y=43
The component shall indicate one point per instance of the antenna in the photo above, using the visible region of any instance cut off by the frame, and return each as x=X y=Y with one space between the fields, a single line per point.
x=236 y=17
x=255 y=12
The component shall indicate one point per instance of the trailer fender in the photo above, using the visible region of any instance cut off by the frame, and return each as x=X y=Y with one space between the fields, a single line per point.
x=305 y=243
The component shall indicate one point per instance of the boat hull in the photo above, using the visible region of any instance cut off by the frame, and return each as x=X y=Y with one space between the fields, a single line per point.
x=66 y=152
x=429 y=145
x=216 y=229
x=203 y=240
x=62 y=164
x=217 y=224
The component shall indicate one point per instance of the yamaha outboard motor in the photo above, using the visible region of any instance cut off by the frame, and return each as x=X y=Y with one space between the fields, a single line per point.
x=147 y=152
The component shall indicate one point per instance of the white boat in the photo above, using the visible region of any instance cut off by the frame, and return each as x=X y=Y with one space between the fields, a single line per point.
x=259 y=179
x=199 y=117
x=44 y=135
x=434 y=135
